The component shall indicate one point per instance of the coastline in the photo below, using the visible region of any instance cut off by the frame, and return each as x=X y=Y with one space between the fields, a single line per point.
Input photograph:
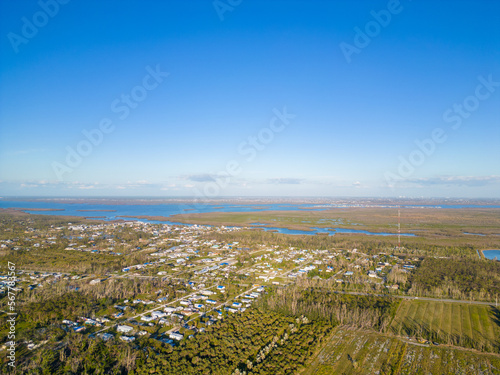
x=257 y=201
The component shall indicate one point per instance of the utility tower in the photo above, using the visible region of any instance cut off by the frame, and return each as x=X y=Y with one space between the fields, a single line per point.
x=399 y=228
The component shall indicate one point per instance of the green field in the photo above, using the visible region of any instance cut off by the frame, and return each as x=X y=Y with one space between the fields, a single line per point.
x=432 y=227
x=439 y=222
x=474 y=326
x=352 y=351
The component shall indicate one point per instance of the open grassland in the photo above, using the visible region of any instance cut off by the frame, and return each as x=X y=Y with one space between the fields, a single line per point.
x=472 y=326
x=350 y=351
x=470 y=220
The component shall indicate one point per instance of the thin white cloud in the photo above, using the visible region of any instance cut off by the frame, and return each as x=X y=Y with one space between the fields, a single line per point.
x=25 y=152
x=470 y=181
x=200 y=177
x=285 y=181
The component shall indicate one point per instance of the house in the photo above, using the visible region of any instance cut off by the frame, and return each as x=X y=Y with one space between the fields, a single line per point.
x=124 y=328
x=166 y=341
x=236 y=304
x=127 y=338
x=211 y=301
x=78 y=329
x=105 y=336
x=92 y=322
x=158 y=314
x=176 y=336
x=221 y=287
x=146 y=318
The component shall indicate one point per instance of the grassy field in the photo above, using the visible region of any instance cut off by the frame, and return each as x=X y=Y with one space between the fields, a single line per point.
x=474 y=326
x=361 y=352
x=452 y=225
x=471 y=220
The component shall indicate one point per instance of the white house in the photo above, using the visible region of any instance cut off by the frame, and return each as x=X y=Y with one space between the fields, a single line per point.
x=124 y=328
x=127 y=338
x=158 y=314
x=176 y=336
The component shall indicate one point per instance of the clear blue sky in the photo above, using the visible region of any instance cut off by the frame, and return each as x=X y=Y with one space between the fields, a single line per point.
x=360 y=103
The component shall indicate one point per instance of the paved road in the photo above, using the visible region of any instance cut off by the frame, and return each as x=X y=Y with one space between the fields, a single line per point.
x=156 y=308
x=230 y=300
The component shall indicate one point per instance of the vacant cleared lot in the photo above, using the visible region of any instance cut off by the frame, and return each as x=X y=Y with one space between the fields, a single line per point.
x=362 y=352
x=473 y=326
